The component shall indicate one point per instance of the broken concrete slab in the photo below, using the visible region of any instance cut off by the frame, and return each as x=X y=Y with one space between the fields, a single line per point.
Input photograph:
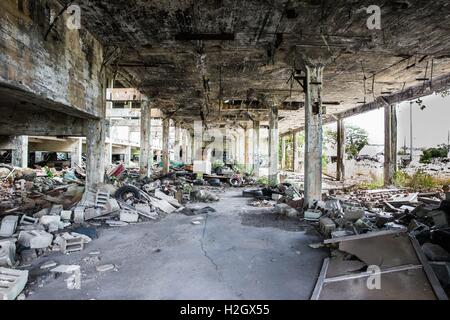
x=313 y=215
x=35 y=239
x=56 y=210
x=8 y=226
x=74 y=281
x=66 y=215
x=435 y=252
x=52 y=223
x=78 y=215
x=128 y=216
x=12 y=283
x=162 y=196
x=327 y=226
x=353 y=213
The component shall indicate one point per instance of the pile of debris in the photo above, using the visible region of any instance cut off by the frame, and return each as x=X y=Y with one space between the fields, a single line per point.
x=44 y=211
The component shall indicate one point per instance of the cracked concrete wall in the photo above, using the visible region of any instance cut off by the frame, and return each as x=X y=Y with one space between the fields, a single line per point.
x=65 y=67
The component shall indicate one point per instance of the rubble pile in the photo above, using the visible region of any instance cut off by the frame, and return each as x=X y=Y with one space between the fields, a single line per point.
x=44 y=212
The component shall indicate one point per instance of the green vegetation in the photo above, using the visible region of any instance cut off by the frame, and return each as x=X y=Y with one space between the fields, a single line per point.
x=434 y=153
x=374 y=183
x=356 y=139
x=418 y=181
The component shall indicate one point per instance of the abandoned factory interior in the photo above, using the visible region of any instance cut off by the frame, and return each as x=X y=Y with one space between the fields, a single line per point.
x=224 y=150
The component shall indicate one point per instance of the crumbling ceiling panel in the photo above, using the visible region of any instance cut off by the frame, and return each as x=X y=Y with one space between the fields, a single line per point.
x=412 y=44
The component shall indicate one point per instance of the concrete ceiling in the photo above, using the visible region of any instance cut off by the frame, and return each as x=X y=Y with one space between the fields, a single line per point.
x=248 y=51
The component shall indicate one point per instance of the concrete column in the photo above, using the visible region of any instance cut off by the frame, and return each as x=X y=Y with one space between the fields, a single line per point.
x=165 y=146
x=177 y=145
x=256 y=146
x=127 y=159
x=76 y=153
x=192 y=146
x=95 y=152
x=313 y=134
x=108 y=152
x=246 y=148
x=146 y=154
x=390 y=144
x=296 y=155
x=283 y=153
x=273 y=145
x=340 y=168
x=20 y=152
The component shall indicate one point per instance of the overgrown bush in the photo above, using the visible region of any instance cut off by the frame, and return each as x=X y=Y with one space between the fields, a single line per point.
x=418 y=181
x=434 y=153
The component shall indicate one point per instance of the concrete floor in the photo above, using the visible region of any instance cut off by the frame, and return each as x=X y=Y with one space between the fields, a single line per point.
x=241 y=252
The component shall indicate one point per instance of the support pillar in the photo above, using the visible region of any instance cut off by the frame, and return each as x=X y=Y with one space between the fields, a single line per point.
x=273 y=145
x=95 y=152
x=76 y=153
x=256 y=146
x=177 y=145
x=296 y=155
x=165 y=146
x=127 y=158
x=283 y=153
x=313 y=134
x=390 y=144
x=340 y=168
x=146 y=154
x=20 y=152
x=246 y=148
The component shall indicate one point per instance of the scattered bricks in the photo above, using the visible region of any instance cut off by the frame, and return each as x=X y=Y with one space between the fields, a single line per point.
x=51 y=222
x=442 y=271
x=12 y=283
x=327 y=226
x=74 y=281
x=129 y=216
x=56 y=210
x=435 y=252
x=35 y=239
x=26 y=220
x=101 y=199
x=8 y=227
x=69 y=244
x=78 y=215
x=7 y=253
x=353 y=213
x=105 y=268
x=66 y=215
